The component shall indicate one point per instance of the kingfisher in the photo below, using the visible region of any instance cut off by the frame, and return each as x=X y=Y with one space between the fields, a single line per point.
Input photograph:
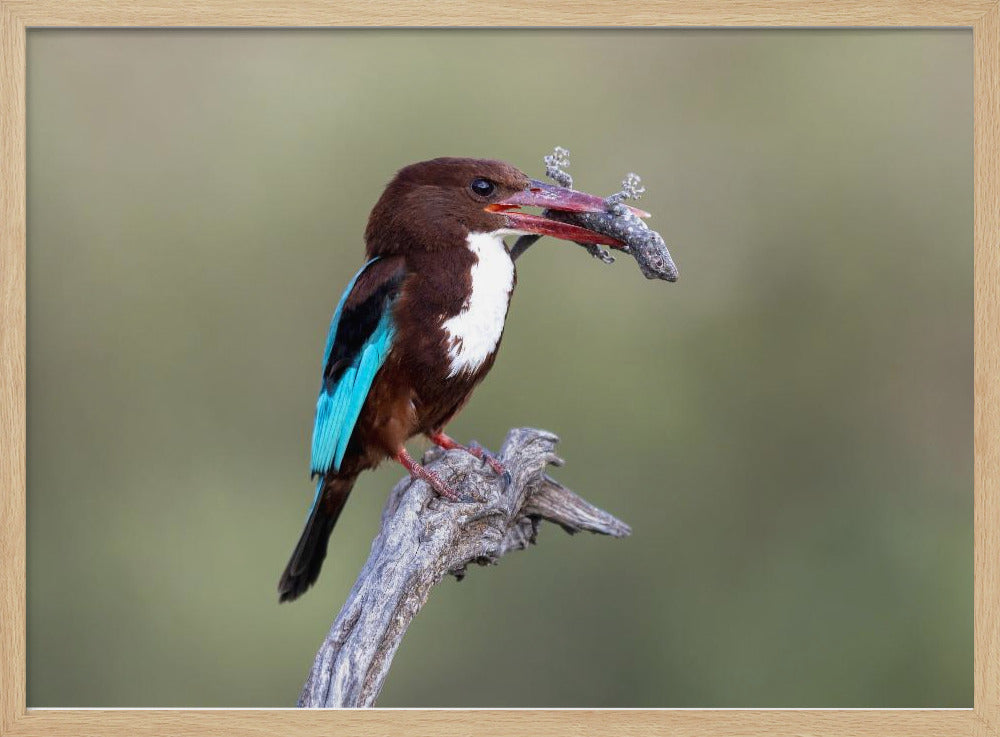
x=419 y=326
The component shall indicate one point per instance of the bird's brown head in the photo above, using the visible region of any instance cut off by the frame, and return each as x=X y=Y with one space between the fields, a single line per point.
x=436 y=204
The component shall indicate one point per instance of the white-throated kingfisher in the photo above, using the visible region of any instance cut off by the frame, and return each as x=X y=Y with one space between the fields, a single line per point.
x=419 y=325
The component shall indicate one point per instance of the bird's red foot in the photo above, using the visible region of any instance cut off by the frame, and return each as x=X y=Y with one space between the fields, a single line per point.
x=419 y=472
x=484 y=455
x=448 y=443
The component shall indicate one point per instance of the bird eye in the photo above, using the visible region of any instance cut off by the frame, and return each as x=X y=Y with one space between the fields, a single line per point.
x=483 y=187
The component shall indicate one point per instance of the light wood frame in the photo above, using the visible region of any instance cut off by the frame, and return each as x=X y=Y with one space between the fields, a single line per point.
x=982 y=16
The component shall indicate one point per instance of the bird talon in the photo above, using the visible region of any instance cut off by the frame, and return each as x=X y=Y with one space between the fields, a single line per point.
x=497 y=466
x=438 y=485
x=475 y=449
x=488 y=458
x=419 y=472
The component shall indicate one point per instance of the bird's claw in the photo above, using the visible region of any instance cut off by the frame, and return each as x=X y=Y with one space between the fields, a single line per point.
x=439 y=485
x=492 y=461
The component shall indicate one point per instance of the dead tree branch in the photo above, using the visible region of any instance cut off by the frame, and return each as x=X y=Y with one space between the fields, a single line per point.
x=423 y=538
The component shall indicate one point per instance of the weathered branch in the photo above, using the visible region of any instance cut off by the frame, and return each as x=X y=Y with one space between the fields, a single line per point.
x=423 y=538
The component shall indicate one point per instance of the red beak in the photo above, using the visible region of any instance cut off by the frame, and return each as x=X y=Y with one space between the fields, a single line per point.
x=551 y=197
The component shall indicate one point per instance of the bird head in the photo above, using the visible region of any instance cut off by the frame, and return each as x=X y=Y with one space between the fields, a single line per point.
x=436 y=204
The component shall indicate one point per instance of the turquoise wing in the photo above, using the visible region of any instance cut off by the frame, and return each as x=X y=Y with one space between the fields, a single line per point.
x=360 y=337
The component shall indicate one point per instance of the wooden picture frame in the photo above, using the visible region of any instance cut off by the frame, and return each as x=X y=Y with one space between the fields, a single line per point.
x=982 y=16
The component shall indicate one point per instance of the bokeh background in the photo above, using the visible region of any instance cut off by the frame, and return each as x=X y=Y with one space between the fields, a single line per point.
x=788 y=428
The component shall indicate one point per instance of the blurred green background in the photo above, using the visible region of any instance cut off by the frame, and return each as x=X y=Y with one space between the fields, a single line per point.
x=788 y=428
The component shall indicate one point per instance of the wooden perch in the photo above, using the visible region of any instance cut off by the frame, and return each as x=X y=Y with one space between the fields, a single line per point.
x=423 y=538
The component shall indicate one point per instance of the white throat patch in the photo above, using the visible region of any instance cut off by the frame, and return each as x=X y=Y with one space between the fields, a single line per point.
x=475 y=331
